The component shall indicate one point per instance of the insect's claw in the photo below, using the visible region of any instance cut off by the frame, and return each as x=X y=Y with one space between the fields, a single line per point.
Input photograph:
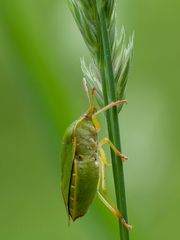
x=127 y=226
x=123 y=157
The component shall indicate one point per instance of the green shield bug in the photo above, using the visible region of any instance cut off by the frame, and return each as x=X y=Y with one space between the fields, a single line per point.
x=81 y=165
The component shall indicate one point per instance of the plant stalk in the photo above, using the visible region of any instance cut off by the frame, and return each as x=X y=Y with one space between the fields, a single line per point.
x=112 y=120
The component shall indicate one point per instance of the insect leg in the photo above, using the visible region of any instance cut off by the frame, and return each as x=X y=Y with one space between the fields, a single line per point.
x=114 y=211
x=96 y=123
x=94 y=119
x=102 y=176
x=86 y=89
x=103 y=156
x=117 y=152
x=103 y=197
x=112 y=104
x=103 y=164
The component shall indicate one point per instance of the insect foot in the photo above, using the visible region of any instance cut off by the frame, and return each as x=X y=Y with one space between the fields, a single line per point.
x=128 y=226
x=123 y=157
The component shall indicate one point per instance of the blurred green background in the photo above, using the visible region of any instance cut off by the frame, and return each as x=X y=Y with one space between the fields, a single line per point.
x=41 y=94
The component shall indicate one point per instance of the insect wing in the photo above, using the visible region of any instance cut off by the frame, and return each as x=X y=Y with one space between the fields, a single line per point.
x=67 y=157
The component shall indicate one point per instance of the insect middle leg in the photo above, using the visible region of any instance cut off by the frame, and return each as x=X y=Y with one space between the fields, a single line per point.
x=117 y=152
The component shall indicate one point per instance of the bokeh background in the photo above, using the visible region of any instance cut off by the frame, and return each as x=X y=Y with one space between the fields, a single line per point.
x=41 y=94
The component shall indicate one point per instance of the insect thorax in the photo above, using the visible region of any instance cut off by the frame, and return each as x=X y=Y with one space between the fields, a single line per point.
x=86 y=140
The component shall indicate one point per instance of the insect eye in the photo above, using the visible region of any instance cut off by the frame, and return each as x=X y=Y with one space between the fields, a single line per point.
x=79 y=157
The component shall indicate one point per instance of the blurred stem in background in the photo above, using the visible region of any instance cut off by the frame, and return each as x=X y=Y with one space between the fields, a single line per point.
x=108 y=73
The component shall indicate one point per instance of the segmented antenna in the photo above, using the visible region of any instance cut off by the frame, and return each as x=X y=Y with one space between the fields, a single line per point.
x=86 y=89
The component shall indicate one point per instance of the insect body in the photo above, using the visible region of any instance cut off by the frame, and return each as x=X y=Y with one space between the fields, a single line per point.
x=82 y=166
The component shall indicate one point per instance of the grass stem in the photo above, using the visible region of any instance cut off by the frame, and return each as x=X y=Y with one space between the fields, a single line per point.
x=112 y=121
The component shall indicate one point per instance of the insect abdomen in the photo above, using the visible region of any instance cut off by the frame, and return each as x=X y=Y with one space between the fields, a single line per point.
x=83 y=186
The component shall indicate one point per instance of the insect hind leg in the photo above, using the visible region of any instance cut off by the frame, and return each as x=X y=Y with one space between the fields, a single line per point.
x=103 y=196
x=114 y=211
x=103 y=163
x=103 y=156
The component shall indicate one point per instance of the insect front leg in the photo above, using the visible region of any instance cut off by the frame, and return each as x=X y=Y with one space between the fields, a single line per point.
x=112 y=104
x=117 y=152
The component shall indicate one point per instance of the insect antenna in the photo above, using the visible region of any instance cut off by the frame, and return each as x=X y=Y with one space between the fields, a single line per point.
x=86 y=89
x=92 y=100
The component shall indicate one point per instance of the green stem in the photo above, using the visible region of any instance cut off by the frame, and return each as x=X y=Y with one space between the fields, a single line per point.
x=113 y=128
x=106 y=102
